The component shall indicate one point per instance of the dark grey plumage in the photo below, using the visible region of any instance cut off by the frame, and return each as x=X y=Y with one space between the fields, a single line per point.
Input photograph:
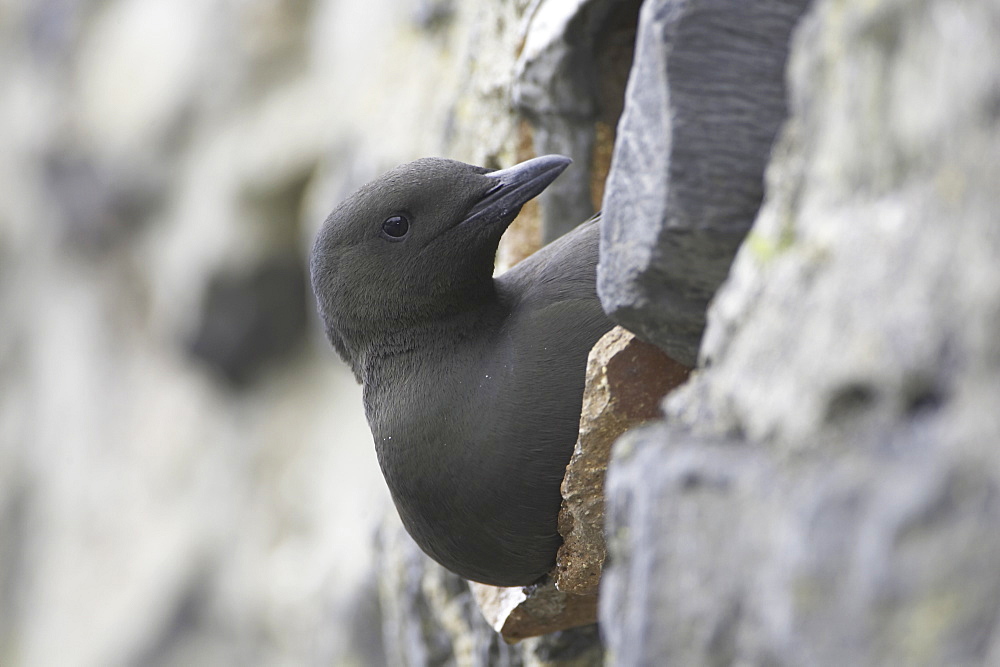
x=472 y=385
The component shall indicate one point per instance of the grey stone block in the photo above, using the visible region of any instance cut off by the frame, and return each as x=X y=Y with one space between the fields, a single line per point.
x=705 y=99
x=725 y=554
x=689 y=527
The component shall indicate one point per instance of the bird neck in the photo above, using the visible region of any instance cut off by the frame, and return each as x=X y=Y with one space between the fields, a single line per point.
x=421 y=340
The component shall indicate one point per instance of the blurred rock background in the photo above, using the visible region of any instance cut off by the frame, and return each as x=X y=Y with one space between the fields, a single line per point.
x=186 y=476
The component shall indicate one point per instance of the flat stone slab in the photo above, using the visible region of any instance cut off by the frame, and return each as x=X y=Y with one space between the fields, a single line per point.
x=626 y=380
x=530 y=611
x=705 y=100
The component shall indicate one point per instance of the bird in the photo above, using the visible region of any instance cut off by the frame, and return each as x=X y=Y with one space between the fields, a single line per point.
x=472 y=384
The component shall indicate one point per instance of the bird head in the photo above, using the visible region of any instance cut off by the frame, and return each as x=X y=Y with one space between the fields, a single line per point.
x=417 y=245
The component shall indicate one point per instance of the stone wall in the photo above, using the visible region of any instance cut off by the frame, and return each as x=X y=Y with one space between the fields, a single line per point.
x=185 y=473
x=824 y=491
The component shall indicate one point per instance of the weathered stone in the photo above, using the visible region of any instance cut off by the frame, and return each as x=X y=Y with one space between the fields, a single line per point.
x=428 y=614
x=878 y=240
x=704 y=102
x=723 y=553
x=826 y=490
x=689 y=530
x=626 y=379
x=532 y=611
x=569 y=82
x=431 y=617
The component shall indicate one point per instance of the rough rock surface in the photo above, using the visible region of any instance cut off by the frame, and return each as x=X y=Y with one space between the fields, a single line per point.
x=626 y=380
x=532 y=611
x=569 y=82
x=827 y=490
x=703 y=105
x=432 y=618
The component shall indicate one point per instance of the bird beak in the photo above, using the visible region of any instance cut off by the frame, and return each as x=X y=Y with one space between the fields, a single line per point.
x=515 y=186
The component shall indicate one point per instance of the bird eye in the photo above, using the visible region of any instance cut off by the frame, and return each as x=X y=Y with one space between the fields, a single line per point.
x=396 y=227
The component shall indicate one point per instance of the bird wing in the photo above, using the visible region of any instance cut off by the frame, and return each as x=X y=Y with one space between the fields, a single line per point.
x=555 y=320
x=565 y=269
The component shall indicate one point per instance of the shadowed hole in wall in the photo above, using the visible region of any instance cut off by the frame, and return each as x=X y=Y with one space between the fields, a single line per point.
x=251 y=319
x=256 y=316
x=850 y=401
